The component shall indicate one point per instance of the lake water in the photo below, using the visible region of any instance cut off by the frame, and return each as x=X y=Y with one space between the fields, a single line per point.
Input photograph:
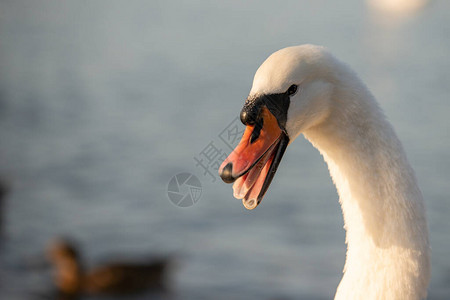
x=102 y=102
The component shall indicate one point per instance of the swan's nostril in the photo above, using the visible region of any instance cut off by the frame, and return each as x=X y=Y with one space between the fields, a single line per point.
x=226 y=175
x=257 y=130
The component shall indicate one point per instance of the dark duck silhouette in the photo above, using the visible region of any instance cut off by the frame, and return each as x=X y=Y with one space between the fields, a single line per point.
x=118 y=278
x=3 y=192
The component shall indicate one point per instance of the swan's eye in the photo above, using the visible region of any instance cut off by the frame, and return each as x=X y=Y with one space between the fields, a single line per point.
x=292 y=90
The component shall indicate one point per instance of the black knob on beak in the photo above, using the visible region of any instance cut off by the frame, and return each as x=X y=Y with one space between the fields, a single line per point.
x=246 y=119
x=226 y=173
x=250 y=113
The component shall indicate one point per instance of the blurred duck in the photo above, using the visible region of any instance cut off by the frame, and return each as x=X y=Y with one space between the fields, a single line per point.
x=116 y=278
x=3 y=192
x=3 y=189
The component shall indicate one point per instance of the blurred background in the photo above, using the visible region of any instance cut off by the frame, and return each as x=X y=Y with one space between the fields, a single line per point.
x=103 y=102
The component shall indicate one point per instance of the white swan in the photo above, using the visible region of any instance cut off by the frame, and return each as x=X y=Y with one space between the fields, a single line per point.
x=304 y=89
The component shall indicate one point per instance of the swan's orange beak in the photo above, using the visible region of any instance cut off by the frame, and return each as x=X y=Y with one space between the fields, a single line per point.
x=252 y=165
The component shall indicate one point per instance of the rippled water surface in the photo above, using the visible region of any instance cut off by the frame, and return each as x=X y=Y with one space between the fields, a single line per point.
x=102 y=102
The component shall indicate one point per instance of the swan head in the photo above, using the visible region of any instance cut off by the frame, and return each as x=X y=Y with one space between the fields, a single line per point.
x=291 y=93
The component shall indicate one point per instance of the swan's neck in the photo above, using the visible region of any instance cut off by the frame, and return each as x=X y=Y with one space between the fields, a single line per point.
x=386 y=230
